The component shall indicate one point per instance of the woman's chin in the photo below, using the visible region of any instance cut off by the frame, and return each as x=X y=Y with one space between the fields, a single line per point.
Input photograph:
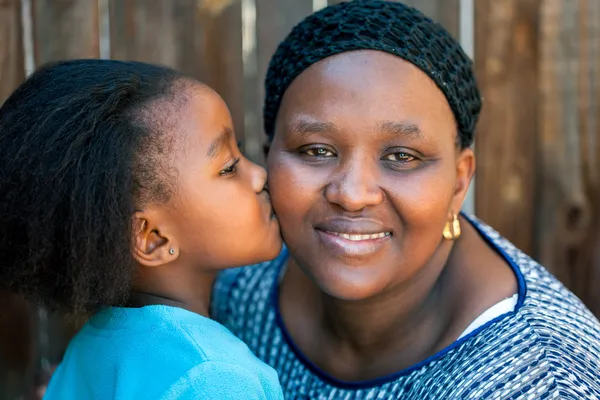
x=350 y=285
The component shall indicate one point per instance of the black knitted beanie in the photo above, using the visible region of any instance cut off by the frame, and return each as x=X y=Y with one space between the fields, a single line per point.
x=387 y=26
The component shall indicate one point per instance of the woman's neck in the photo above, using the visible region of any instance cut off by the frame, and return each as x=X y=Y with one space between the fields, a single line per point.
x=398 y=316
x=385 y=333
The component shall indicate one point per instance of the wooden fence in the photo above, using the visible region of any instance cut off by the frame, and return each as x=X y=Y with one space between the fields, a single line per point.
x=538 y=63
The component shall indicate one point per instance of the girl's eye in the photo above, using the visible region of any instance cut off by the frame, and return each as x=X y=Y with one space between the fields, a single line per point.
x=231 y=169
x=399 y=157
x=318 y=152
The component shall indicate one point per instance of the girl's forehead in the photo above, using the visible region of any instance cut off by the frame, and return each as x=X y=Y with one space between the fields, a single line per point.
x=202 y=124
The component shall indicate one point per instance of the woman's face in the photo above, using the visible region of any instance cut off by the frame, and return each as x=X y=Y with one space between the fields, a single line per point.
x=364 y=172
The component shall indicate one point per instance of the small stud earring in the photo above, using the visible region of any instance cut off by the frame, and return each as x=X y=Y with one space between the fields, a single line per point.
x=172 y=252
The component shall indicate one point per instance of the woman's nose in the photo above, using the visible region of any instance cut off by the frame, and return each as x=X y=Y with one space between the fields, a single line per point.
x=355 y=187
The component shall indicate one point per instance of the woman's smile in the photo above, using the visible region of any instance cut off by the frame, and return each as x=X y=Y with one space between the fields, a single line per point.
x=352 y=237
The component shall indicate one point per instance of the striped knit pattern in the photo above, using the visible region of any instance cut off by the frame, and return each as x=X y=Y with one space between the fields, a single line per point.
x=548 y=349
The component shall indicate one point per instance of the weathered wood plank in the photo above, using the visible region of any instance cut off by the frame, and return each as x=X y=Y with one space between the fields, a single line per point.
x=224 y=55
x=586 y=281
x=274 y=20
x=563 y=212
x=568 y=214
x=506 y=61
x=65 y=29
x=591 y=142
x=12 y=69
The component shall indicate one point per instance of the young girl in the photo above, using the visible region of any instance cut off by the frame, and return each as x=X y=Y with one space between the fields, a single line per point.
x=122 y=194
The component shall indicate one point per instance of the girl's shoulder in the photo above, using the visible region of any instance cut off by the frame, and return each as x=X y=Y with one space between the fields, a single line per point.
x=162 y=351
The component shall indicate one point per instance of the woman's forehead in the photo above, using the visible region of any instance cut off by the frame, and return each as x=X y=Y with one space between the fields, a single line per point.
x=365 y=87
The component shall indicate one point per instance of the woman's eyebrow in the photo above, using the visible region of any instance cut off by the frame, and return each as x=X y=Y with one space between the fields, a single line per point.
x=306 y=128
x=400 y=128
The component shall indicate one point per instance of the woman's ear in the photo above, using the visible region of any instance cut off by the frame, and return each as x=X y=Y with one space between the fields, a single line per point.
x=152 y=245
x=465 y=169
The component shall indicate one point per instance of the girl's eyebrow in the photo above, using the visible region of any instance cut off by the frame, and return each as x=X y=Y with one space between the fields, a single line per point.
x=219 y=142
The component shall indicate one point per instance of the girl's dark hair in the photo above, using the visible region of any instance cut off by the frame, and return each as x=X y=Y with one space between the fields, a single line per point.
x=81 y=145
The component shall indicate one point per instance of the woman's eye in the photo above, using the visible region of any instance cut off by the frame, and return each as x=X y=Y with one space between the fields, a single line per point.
x=229 y=170
x=399 y=157
x=319 y=152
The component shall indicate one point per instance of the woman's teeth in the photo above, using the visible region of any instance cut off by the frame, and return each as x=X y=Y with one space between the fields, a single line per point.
x=361 y=237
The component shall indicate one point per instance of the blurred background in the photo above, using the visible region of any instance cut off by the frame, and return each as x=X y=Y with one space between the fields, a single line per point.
x=537 y=143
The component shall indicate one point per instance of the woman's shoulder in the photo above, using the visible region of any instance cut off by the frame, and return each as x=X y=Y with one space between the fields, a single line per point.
x=564 y=331
x=243 y=290
x=541 y=294
x=542 y=297
x=559 y=327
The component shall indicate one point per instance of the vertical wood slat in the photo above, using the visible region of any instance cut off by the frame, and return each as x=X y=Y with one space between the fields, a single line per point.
x=12 y=68
x=224 y=57
x=590 y=15
x=65 y=29
x=506 y=67
x=553 y=121
x=563 y=195
x=568 y=216
x=274 y=20
x=201 y=38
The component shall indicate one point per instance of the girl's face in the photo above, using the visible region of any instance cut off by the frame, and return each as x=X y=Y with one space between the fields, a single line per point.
x=364 y=172
x=220 y=214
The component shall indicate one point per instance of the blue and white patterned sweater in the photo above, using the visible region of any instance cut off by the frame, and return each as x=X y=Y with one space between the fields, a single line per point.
x=548 y=348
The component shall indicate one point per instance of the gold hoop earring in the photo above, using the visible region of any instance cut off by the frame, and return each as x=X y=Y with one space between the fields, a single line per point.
x=452 y=228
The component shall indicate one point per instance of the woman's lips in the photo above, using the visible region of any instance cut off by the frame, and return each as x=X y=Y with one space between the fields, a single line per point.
x=352 y=244
x=356 y=237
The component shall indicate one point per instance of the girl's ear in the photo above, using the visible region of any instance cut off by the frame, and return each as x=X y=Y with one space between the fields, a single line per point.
x=153 y=245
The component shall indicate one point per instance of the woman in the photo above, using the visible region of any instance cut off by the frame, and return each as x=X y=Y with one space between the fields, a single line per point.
x=384 y=291
x=122 y=193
